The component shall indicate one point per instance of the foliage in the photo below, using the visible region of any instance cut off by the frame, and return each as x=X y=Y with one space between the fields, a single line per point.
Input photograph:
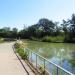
x=1 y=40
x=53 y=39
x=72 y=29
x=21 y=51
x=7 y=33
x=46 y=39
x=41 y=69
x=42 y=29
x=46 y=25
x=17 y=45
x=72 y=62
x=14 y=32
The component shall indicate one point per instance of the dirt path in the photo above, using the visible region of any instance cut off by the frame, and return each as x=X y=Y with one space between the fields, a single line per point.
x=9 y=63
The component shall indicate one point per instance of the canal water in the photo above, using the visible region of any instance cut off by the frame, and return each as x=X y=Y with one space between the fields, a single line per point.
x=62 y=54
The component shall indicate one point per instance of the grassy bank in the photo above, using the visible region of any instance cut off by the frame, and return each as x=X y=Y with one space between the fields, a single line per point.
x=57 y=39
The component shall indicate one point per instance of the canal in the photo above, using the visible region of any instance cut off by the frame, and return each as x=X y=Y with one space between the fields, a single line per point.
x=62 y=54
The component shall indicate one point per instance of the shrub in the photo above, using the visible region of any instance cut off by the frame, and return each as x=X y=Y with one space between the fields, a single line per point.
x=1 y=40
x=53 y=39
x=20 y=51
x=46 y=39
x=16 y=45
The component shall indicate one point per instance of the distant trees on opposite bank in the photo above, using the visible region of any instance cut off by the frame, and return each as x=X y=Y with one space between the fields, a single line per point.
x=45 y=30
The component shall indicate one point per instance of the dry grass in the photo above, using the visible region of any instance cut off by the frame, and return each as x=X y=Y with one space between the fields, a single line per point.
x=21 y=44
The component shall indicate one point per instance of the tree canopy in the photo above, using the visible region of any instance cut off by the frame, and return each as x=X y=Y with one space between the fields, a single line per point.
x=44 y=27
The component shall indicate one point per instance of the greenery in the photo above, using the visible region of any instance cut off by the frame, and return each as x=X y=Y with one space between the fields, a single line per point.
x=41 y=69
x=21 y=51
x=1 y=40
x=72 y=62
x=17 y=45
x=53 y=39
x=45 y=29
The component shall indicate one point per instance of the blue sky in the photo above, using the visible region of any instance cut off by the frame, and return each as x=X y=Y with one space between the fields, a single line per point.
x=15 y=13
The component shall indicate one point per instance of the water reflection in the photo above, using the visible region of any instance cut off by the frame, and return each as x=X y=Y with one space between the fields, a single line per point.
x=72 y=61
x=59 y=53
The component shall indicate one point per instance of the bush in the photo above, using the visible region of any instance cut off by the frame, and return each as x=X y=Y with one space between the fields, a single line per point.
x=53 y=39
x=16 y=45
x=20 y=51
x=1 y=40
x=20 y=44
x=46 y=39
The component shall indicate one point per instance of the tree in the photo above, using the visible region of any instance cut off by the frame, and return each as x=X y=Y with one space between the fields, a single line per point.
x=5 y=32
x=7 y=29
x=32 y=30
x=65 y=28
x=57 y=29
x=14 y=33
x=46 y=26
x=15 y=30
x=72 y=26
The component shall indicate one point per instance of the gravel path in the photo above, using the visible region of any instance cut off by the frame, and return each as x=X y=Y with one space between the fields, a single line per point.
x=9 y=63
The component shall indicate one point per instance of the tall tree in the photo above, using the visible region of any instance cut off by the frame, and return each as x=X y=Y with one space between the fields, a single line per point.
x=14 y=33
x=46 y=25
x=57 y=29
x=72 y=26
x=65 y=28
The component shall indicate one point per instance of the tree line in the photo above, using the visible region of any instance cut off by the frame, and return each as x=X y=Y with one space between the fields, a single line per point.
x=43 y=28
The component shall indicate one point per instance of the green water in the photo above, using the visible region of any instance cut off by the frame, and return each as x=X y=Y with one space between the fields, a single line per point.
x=62 y=54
